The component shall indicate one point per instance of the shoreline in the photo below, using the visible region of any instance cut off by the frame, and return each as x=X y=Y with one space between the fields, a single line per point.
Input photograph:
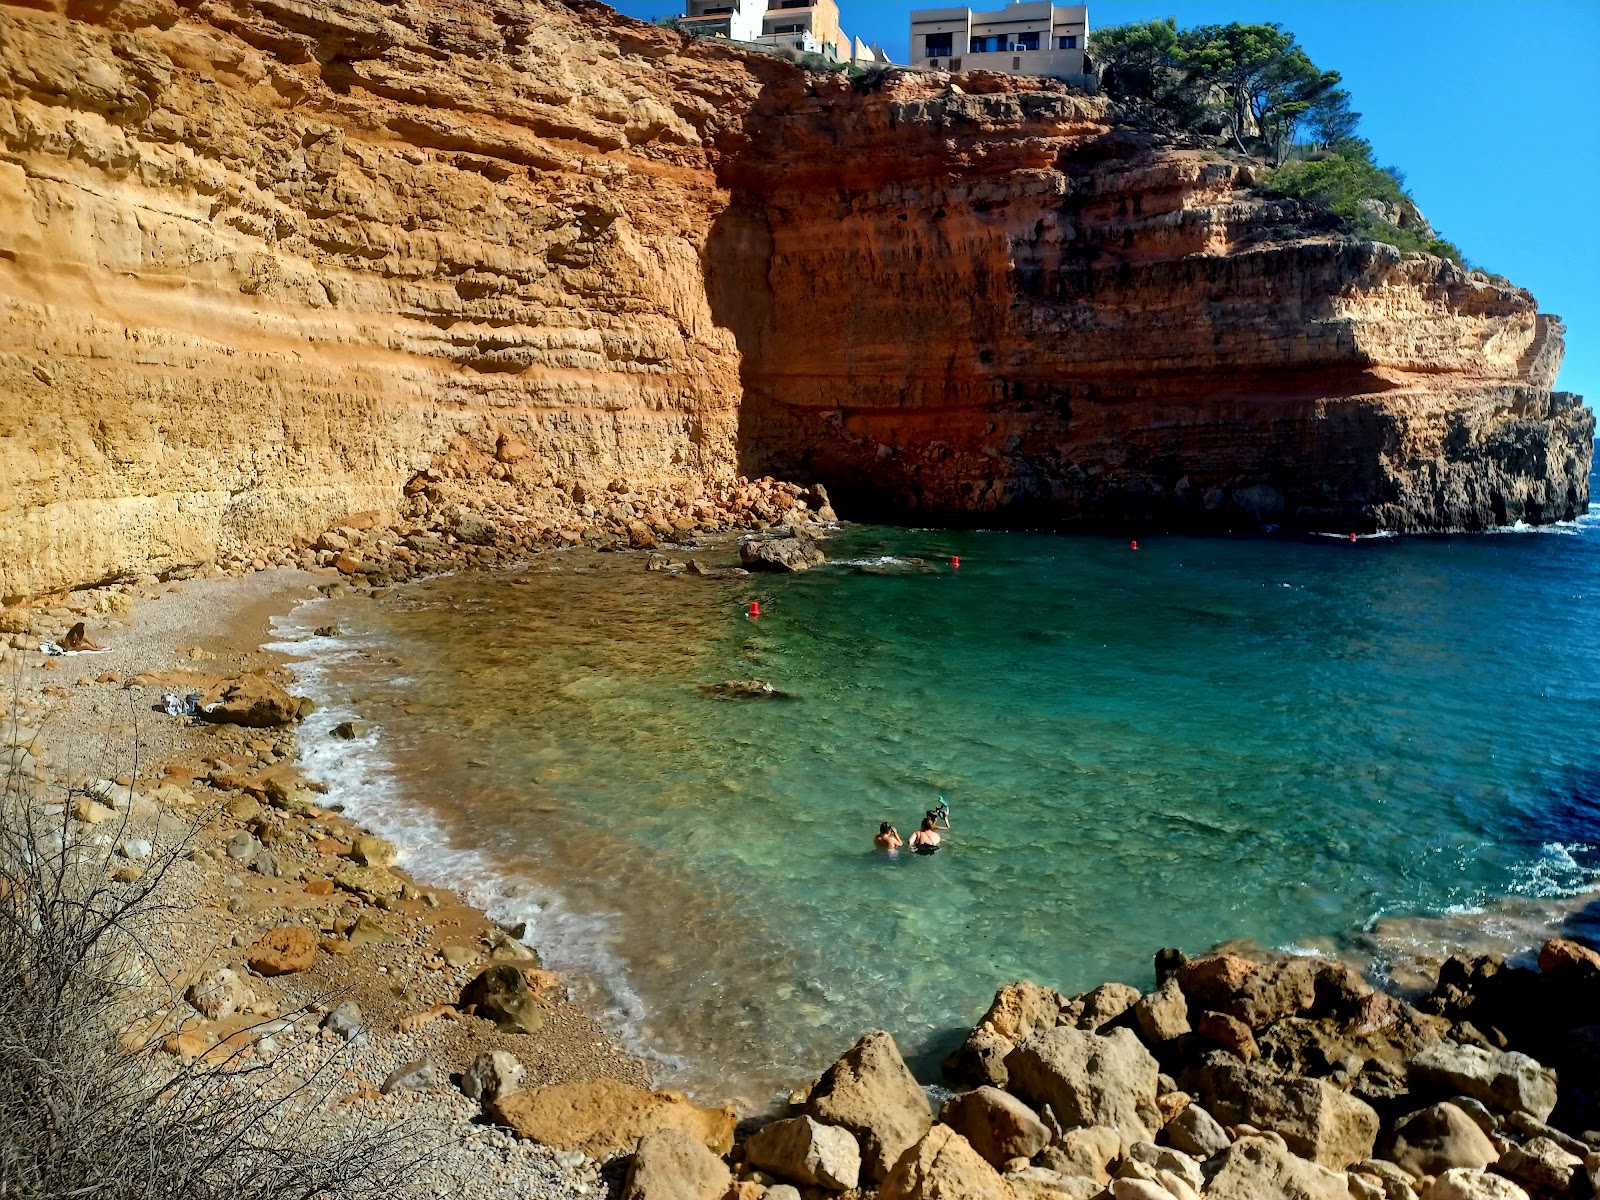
x=194 y=634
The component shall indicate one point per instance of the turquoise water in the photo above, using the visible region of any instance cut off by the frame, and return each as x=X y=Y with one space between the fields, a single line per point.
x=1194 y=741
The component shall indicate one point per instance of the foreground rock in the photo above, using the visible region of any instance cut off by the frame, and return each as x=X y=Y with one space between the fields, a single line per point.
x=604 y=1116
x=870 y=1092
x=997 y=1125
x=1505 y=1081
x=672 y=1165
x=1089 y=1079
x=501 y=994
x=806 y=1152
x=1315 y=1120
x=942 y=1166
x=254 y=702
x=1434 y=1140
x=283 y=951
x=1256 y=1168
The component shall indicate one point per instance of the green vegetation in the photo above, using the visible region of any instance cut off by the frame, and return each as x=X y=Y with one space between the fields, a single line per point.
x=1255 y=89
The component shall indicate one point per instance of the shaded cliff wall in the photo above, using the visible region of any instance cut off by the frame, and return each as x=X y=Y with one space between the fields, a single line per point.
x=263 y=260
x=977 y=299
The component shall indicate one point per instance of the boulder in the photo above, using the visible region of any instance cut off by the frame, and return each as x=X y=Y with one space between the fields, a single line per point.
x=871 y=1093
x=1213 y=981
x=941 y=1166
x=1163 y=1014
x=1089 y=1079
x=1232 y=1034
x=282 y=951
x=603 y=1116
x=1315 y=1120
x=1258 y=1168
x=979 y=1060
x=791 y=554
x=1105 y=1003
x=672 y=1165
x=1467 y=1183
x=1085 y=1152
x=1022 y=1008
x=1541 y=1164
x=492 y=1074
x=1503 y=1080
x=998 y=1126
x=372 y=851
x=370 y=883
x=220 y=993
x=1393 y=1183
x=1195 y=1131
x=1563 y=955
x=1257 y=994
x=1433 y=1140
x=254 y=702
x=807 y=1152
x=501 y=994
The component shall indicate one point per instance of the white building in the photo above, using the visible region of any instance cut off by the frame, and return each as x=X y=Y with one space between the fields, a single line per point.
x=736 y=19
x=1026 y=37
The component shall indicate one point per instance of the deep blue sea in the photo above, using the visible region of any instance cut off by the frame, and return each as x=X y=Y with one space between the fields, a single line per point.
x=1295 y=741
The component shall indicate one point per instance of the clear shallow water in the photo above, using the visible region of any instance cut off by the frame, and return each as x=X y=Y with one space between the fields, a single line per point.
x=1205 y=739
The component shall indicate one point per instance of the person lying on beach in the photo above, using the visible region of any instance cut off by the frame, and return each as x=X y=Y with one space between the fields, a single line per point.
x=888 y=839
x=926 y=839
x=78 y=639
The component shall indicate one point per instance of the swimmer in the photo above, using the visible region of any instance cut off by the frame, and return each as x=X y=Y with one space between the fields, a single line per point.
x=926 y=839
x=888 y=840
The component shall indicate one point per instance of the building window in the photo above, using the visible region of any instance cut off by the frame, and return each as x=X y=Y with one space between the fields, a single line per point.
x=790 y=29
x=1027 y=41
x=980 y=45
x=940 y=45
x=1016 y=64
x=1070 y=42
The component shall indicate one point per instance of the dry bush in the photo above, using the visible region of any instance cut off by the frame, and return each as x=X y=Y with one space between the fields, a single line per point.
x=86 y=1110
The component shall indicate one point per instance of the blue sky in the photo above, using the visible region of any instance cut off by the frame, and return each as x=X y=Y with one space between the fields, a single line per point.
x=1492 y=111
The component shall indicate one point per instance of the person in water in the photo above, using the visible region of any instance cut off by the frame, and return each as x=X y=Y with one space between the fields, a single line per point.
x=888 y=839
x=926 y=839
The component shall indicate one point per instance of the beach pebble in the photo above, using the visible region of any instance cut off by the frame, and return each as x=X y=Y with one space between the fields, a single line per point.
x=492 y=1074
x=344 y=1020
x=419 y=1076
x=241 y=847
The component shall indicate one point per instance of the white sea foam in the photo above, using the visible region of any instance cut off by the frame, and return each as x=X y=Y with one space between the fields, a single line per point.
x=362 y=779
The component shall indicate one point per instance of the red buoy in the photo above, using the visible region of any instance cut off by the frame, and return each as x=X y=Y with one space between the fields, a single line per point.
x=755 y=608
x=1133 y=545
x=1352 y=537
x=955 y=561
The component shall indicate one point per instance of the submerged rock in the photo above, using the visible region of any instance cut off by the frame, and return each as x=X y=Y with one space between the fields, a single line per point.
x=792 y=554
x=744 y=689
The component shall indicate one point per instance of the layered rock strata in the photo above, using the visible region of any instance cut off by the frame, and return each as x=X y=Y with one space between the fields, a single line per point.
x=264 y=264
x=980 y=300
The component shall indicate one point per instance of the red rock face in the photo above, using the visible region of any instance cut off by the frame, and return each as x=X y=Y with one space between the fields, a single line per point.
x=1005 y=304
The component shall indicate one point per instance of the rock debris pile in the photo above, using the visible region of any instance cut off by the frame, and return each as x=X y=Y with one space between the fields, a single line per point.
x=1234 y=1078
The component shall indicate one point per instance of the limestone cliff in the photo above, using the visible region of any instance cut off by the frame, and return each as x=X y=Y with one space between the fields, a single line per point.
x=264 y=261
x=1006 y=303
